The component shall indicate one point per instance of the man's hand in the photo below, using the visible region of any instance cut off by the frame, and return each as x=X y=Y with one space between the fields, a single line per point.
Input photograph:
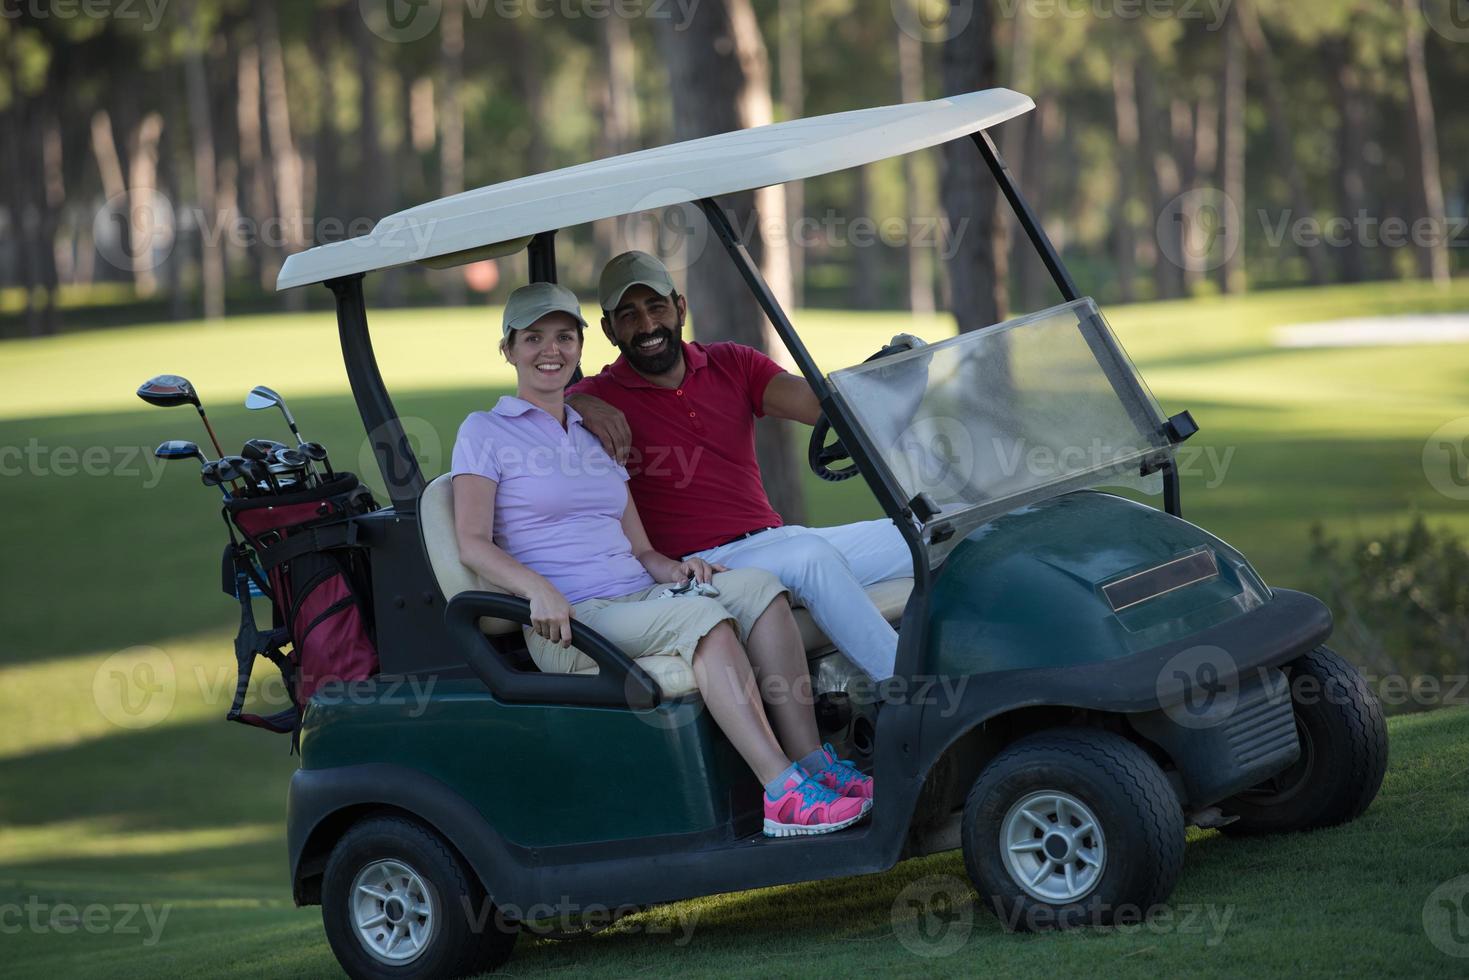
x=608 y=424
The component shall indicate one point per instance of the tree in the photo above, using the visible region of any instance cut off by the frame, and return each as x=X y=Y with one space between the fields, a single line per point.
x=201 y=133
x=977 y=268
x=920 y=264
x=720 y=81
x=1433 y=257
x=1232 y=143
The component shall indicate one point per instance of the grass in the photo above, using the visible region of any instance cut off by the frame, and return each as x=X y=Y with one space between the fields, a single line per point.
x=107 y=556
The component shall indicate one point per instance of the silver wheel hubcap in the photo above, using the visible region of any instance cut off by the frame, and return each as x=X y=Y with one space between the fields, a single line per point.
x=393 y=912
x=1053 y=847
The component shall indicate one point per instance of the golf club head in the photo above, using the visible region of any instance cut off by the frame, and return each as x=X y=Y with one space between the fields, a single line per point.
x=255 y=472
x=261 y=448
x=167 y=390
x=262 y=397
x=232 y=468
x=313 y=451
x=209 y=474
x=179 y=449
x=290 y=458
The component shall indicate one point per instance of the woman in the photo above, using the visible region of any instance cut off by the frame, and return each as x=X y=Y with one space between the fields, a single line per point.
x=540 y=509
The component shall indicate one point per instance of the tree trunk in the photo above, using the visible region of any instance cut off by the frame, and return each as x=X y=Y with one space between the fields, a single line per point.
x=720 y=82
x=1205 y=173
x=1433 y=257
x=1124 y=239
x=19 y=196
x=253 y=173
x=1232 y=146
x=866 y=262
x=619 y=130
x=54 y=199
x=285 y=161
x=1281 y=132
x=791 y=56
x=1160 y=169
x=201 y=131
x=142 y=196
x=977 y=264
x=920 y=260
x=325 y=140
x=1351 y=134
x=451 y=145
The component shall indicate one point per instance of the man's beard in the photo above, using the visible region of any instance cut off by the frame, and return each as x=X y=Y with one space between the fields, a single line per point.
x=660 y=363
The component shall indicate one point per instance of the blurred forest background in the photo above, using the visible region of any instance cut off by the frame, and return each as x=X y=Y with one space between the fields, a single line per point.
x=160 y=157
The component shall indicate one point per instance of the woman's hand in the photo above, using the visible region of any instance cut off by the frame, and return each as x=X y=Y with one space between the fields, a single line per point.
x=550 y=614
x=695 y=568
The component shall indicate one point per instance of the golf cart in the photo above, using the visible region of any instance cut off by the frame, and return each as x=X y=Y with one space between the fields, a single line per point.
x=1080 y=675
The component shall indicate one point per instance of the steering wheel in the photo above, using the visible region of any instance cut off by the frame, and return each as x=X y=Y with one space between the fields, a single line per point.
x=820 y=455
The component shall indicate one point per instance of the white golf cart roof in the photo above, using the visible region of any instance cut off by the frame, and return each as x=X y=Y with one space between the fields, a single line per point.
x=502 y=218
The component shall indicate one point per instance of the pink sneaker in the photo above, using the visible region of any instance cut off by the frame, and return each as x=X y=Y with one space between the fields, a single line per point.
x=843 y=778
x=807 y=807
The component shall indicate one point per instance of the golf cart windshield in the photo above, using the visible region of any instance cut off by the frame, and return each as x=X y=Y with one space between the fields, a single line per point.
x=1007 y=416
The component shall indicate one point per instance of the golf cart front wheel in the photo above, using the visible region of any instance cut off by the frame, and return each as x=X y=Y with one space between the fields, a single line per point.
x=397 y=902
x=1343 y=753
x=1072 y=827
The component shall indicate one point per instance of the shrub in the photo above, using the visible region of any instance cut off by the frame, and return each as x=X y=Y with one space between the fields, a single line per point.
x=1401 y=603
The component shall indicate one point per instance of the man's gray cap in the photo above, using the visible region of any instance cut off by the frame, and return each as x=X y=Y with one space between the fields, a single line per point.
x=628 y=270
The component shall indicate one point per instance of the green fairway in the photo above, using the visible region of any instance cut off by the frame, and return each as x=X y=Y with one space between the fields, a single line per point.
x=111 y=561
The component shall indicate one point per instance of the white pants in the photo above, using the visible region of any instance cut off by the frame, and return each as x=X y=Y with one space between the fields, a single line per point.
x=826 y=569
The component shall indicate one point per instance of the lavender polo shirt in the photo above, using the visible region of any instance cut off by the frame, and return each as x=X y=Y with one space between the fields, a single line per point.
x=559 y=501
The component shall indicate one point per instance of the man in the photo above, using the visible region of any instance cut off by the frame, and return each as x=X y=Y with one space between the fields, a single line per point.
x=683 y=415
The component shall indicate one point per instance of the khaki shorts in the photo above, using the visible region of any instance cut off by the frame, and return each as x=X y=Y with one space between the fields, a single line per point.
x=645 y=627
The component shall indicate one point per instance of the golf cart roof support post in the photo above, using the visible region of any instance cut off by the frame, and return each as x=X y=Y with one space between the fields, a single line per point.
x=1023 y=213
x=719 y=221
x=390 y=447
x=542 y=255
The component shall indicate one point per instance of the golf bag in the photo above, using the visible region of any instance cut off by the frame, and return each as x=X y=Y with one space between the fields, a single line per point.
x=300 y=550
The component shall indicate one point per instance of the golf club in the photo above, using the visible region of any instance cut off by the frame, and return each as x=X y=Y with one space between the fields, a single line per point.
x=183 y=449
x=209 y=473
x=180 y=449
x=316 y=452
x=261 y=448
x=263 y=397
x=258 y=473
x=167 y=390
x=291 y=464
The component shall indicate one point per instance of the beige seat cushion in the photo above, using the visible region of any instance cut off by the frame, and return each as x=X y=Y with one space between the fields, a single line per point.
x=436 y=519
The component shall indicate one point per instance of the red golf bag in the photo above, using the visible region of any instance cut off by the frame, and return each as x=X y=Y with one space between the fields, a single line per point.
x=300 y=551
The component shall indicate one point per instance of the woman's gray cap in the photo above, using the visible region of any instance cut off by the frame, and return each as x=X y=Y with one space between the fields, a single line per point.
x=529 y=303
x=628 y=270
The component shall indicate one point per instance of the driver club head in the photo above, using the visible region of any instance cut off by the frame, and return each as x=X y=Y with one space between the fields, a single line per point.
x=167 y=390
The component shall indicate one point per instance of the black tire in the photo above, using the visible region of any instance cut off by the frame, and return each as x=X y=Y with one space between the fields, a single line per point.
x=468 y=935
x=1343 y=754
x=1139 y=815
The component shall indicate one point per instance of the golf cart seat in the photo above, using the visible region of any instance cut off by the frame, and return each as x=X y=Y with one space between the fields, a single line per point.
x=436 y=520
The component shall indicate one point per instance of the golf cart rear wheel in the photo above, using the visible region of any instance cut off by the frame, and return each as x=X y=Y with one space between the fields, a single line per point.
x=397 y=902
x=1072 y=827
x=1343 y=753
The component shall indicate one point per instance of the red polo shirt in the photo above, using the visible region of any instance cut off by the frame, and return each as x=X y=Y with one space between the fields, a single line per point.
x=694 y=475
